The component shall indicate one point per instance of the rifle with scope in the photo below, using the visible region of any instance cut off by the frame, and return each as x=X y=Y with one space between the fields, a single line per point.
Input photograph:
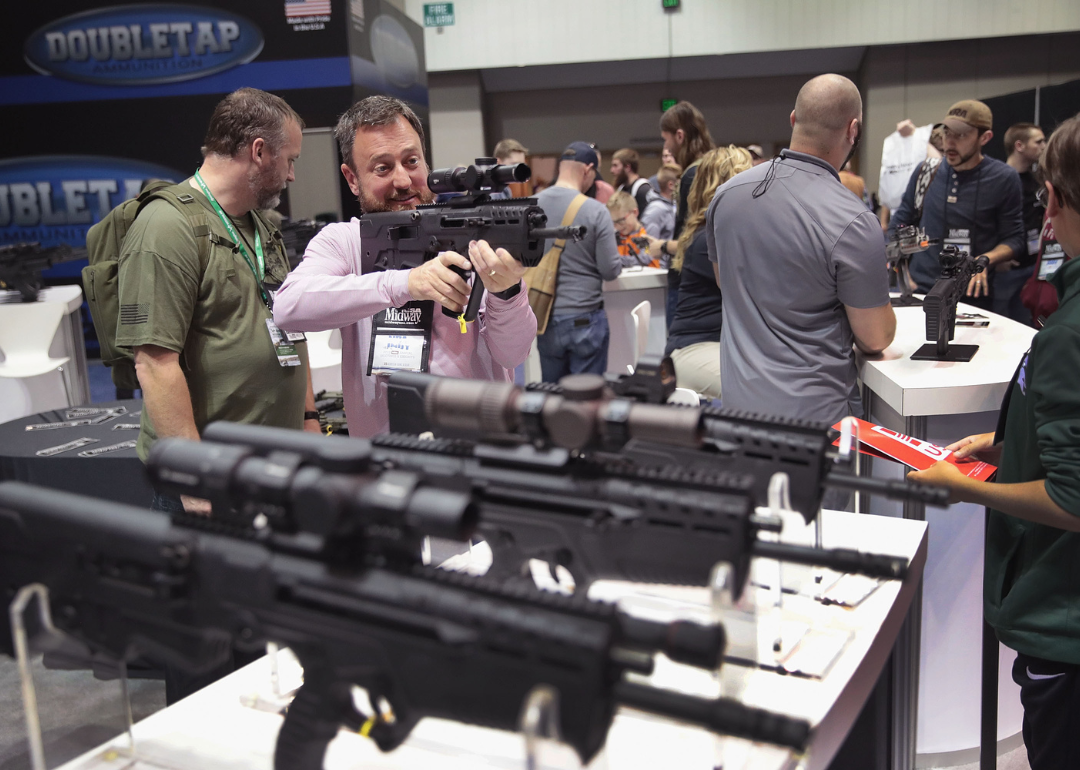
x=957 y=269
x=345 y=592
x=904 y=242
x=400 y=240
x=21 y=265
x=597 y=518
x=580 y=415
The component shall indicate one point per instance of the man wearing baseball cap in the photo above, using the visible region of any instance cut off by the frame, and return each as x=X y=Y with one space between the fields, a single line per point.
x=971 y=201
x=577 y=335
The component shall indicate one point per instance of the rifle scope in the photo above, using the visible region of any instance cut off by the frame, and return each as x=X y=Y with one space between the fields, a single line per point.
x=486 y=175
x=233 y=476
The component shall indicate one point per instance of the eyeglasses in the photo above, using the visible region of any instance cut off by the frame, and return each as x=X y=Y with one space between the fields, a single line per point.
x=1040 y=197
x=621 y=219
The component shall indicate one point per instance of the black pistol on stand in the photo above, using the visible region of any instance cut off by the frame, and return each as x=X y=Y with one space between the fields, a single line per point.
x=401 y=240
x=957 y=269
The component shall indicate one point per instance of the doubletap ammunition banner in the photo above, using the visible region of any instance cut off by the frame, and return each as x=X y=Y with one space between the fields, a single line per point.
x=96 y=101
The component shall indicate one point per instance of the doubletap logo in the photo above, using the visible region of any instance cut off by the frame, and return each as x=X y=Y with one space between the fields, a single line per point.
x=55 y=199
x=143 y=44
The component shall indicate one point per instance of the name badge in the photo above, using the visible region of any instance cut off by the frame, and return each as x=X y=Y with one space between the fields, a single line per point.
x=1049 y=266
x=401 y=338
x=284 y=348
x=1033 y=241
x=960 y=237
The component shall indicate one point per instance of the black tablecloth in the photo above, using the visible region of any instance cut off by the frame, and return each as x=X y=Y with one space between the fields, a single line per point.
x=115 y=476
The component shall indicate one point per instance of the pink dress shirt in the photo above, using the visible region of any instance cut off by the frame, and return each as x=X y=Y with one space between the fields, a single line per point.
x=327 y=291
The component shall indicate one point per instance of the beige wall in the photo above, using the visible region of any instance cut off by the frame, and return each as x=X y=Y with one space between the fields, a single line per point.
x=457 y=119
x=921 y=81
x=515 y=33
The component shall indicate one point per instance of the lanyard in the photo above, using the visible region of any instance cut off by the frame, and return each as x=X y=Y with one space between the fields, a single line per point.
x=261 y=271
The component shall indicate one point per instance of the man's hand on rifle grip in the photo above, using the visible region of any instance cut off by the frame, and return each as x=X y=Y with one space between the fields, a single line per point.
x=496 y=267
x=435 y=280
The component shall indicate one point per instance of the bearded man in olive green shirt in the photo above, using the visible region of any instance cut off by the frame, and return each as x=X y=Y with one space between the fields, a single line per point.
x=197 y=320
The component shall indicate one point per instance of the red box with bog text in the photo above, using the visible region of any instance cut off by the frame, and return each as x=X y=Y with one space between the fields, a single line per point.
x=877 y=441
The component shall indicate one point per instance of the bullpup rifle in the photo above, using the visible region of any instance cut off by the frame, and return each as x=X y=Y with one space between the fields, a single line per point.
x=400 y=240
x=355 y=607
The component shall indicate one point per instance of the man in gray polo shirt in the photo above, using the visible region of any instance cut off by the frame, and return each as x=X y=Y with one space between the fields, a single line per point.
x=577 y=335
x=801 y=262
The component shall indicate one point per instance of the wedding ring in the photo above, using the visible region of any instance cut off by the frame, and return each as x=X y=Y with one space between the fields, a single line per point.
x=492 y=274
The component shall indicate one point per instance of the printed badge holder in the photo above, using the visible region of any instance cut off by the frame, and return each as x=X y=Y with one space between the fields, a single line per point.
x=17 y=612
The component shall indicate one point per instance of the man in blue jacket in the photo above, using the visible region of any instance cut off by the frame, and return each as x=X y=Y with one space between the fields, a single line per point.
x=972 y=202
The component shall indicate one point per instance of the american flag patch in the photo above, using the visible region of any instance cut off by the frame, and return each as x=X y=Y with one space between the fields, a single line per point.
x=130 y=315
x=299 y=8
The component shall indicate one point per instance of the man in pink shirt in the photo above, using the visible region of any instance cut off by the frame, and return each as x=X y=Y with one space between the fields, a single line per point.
x=390 y=320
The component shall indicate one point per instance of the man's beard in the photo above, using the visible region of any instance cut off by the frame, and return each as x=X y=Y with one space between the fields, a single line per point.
x=372 y=205
x=266 y=188
x=622 y=179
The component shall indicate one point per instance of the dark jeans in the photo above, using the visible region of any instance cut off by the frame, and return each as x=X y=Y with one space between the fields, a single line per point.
x=1050 y=692
x=574 y=344
x=178 y=682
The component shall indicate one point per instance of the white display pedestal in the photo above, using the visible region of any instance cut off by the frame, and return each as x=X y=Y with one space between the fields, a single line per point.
x=31 y=395
x=942 y=402
x=213 y=730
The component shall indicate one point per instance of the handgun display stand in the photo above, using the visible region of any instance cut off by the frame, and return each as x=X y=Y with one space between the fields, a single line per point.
x=936 y=664
x=17 y=611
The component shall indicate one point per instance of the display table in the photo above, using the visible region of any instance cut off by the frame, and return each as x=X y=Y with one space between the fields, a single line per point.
x=214 y=730
x=634 y=285
x=114 y=475
x=34 y=394
x=942 y=402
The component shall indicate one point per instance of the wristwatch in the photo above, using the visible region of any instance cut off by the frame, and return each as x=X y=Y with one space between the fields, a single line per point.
x=311 y=416
x=664 y=249
x=513 y=291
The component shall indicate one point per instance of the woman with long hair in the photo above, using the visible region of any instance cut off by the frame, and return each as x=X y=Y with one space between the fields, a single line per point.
x=685 y=136
x=694 y=334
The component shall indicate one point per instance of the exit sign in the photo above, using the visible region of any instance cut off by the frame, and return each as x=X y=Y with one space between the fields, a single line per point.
x=438 y=14
x=667 y=104
x=670 y=5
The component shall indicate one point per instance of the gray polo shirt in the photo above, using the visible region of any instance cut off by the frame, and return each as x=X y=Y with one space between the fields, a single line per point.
x=584 y=265
x=793 y=246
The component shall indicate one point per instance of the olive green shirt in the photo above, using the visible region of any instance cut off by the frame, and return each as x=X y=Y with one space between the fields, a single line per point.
x=213 y=316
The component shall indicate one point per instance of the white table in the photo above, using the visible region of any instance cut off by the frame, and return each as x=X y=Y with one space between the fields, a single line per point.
x=21 y=397
x=212 y=730
x=942 y=402
x=621 y=296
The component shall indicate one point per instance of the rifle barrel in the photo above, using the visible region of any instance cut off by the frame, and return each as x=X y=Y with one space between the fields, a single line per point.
x=838 y=559
x=575 y=233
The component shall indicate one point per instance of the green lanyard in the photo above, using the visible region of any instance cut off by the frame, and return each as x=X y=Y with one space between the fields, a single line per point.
x=261 y=271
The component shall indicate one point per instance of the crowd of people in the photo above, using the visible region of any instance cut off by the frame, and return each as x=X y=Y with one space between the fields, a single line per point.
x=777 y=274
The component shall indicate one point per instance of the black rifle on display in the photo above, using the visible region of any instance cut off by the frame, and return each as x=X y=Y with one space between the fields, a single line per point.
x=597 y=518
x=21 y=265
x=400 y=240
x=345 y=592
x=904 y=242
x=957 y=269
x=580 y=414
